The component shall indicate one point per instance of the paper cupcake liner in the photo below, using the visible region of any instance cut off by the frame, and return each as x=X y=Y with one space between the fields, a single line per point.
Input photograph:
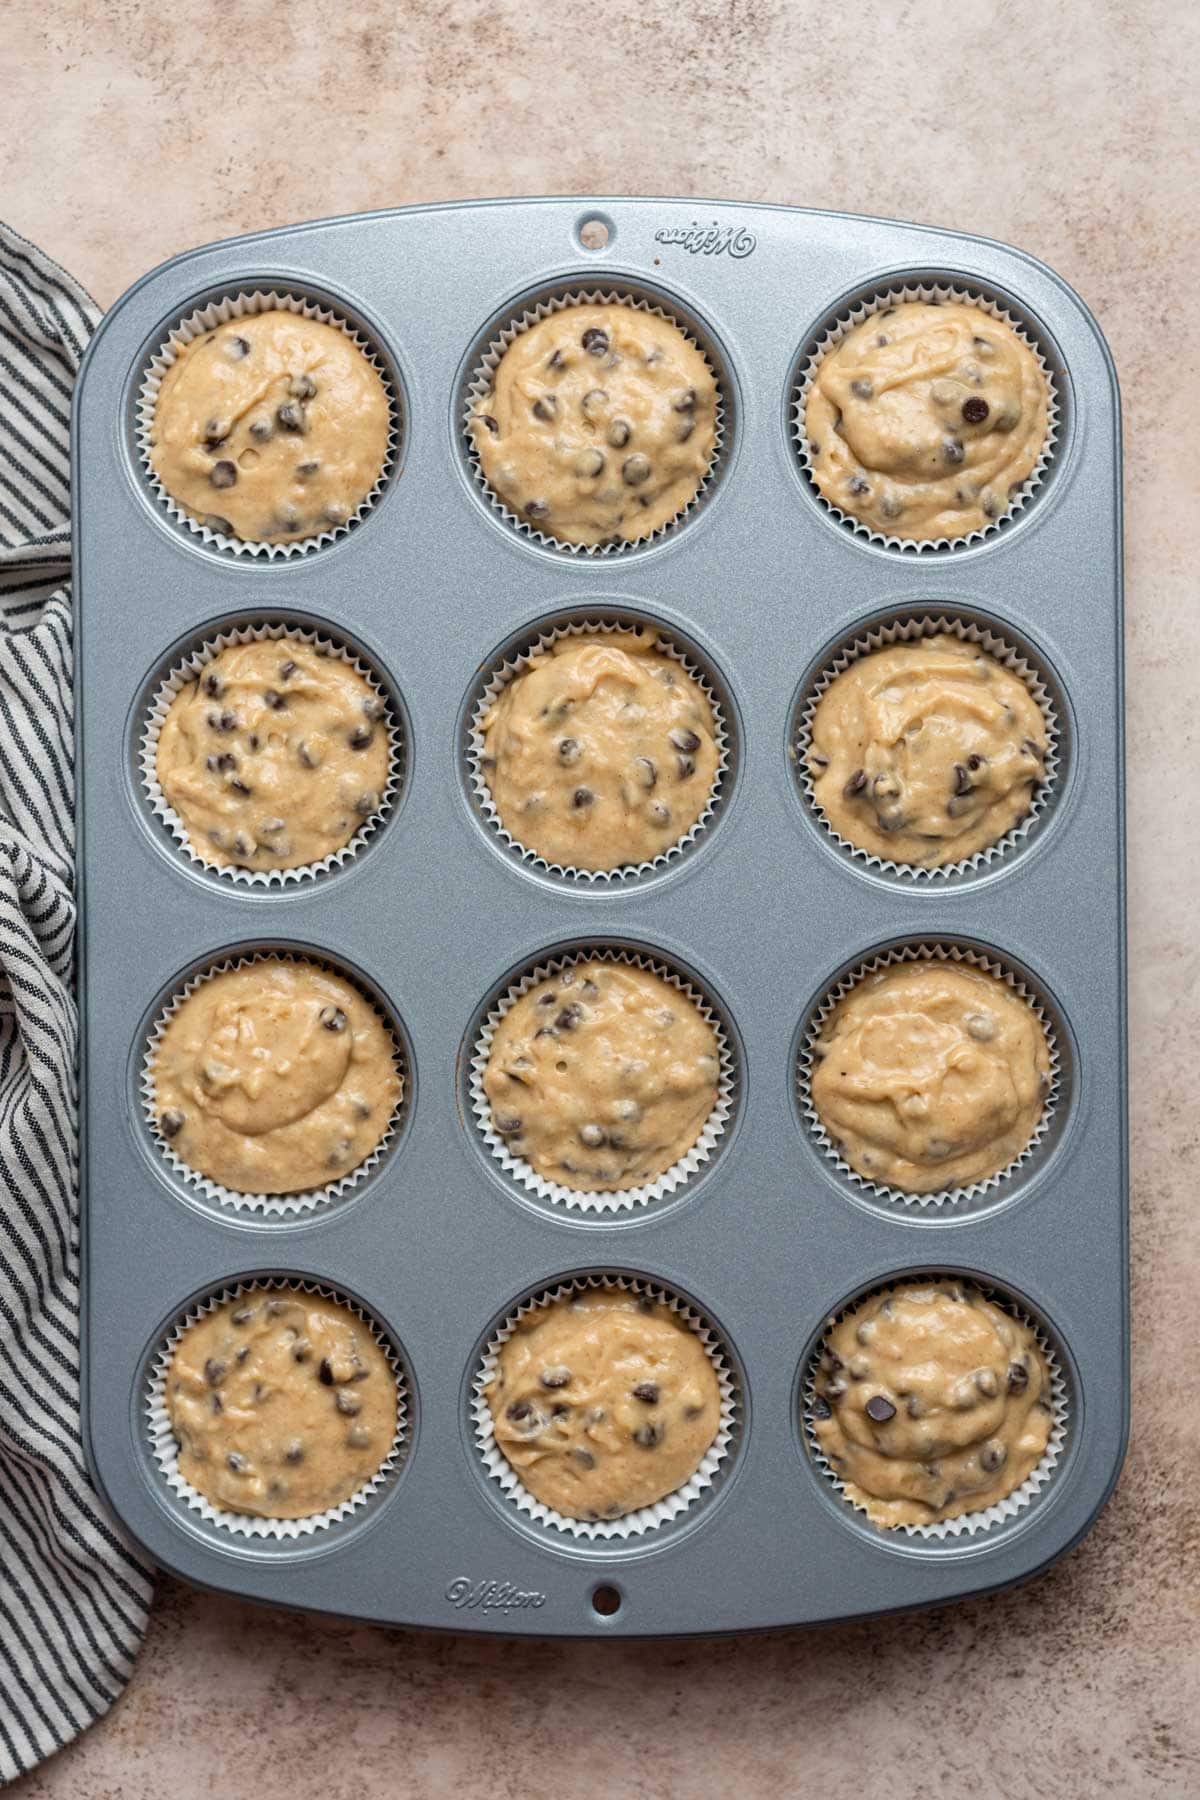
x=480 y=384
x=186 y=671
x=970 y=1524
x=910 y=631
x=165 y=1449
x=926 y=952
x=515 y=663
x=268 y=1205
x=879 y=301
x=219 y=312
x=647 y=1518
x=619 y=1199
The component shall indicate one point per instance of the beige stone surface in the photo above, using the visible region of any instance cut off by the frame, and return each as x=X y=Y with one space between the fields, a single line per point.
x=128 y=132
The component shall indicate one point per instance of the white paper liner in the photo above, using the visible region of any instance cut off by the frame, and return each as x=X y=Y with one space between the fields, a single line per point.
x=632 y=1524
x=480 y=384
x=879 y=301
x=619 y=1199
x=219 y=312
x=187 y=671
x=165 y=1449
x=515 y=663
x=925 y=952
x=910 y=631
x=972 y=1523
x=269 y=1205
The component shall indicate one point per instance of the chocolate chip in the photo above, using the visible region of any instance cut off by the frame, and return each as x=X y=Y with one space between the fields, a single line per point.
x=858 y=486
x=975 y=409
x=879 y=1409
x=223 y=474
x=583 y=1457
x=582 y=797
x=986 y=1382
x=649 y=1436
x=568 y=750
x=492 y=424
x=360 y=737
x=520 y=1409
x=545 y=406
x=347 y=1404
x=213 y=685
x=595 y=341
x=215 y=522
x=309 y=754
x=214 y=1372
x=685 y=766
x=243 y=1315
x=305 y=469
x=302 y=387
x=821 y=1408
x=294 y=1452
x=555 y=360
x=237 y=786
x=684 y=740
x=216 y=431
x=855 y=785
x=275 y=700
x=993 y=1456
x=292 y=417
x=863 y=388
x=223 y=720
x=237 y=347
x=537 y=509
x=646 y=1391
x=367 y=803
x=891 y=506
x=635 y=469
x=685 y=401
x=619 y=433
x=1032 y=749
x=237 y=1462
x=171 y=1122
x=593 y=400
x=645 y=772
x=569 y=1017
x=556 y=1376
x=952 y=451
x=325 y=1373
x=332 y=1018
x=261 y=430
x=1018 y=1378
x=507 y=1124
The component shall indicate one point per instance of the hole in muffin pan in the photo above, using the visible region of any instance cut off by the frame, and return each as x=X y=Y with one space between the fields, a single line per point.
x=634 y=290
x=343 y=312
x=279 y=1211
x=606 y=1600
x=153 y=1445
x=606 y=1539
x=1051 y=795
x=600 y=1208
x=959 y=1540
x=1021 y=1178
x=229 y=880
x=1035 y=496
x=596 y=232
x=602 y=612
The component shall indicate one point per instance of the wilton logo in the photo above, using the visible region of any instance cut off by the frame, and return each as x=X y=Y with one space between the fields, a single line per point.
x=708 y=240
x=490 y=1596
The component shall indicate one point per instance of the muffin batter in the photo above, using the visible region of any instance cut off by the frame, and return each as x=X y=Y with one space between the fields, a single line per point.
x=931 y=1402
x=270 y=427
x=275 y=1078
x=602 y=752
x=274 y=756
x=930 y=1075
x=925 y=419
x=603 y=1403
x=603 y=1076
x=926 y=752
x=600 y=424
x=282 y=1402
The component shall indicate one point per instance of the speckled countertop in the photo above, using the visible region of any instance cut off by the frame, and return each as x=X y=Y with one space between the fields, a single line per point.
x=129 y=132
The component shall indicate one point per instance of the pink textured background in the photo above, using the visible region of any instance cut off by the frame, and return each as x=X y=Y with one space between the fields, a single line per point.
x=128 y=132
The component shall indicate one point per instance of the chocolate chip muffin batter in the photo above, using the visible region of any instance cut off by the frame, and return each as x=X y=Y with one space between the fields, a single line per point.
x=926 y=752
x=599 y=425
x=931 y=1401
x=925 y=419
x=930 y=1075
x=602 y=1077
x=276 y=1077
x=602 y=752
x=274 y=756
x=270 y=427
x=282 y=1403
x=603 y=1403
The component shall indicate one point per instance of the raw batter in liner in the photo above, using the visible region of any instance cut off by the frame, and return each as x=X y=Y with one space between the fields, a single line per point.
x=931 y=1401
x=930 y=1075
x=926 y=752
x=282 y=1402
x=602 y=752
x=276 y=1077
x=274 y=755
x=603 y=1403
x=925 y=419
x=599 y=425
x=603 y=1076
x=270 y=427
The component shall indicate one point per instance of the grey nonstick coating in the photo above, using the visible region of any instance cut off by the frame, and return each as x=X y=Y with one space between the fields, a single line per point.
x=437 y=914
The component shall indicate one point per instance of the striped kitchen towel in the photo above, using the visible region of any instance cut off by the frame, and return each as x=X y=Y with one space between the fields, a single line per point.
x=73 y=1593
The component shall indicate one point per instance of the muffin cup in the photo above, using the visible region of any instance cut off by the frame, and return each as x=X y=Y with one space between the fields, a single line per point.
x=267 y=1205
x=515 y=664
x=480 y=383
x=925 y=952
x=219 y=312
x=911 y=631
x=165 y=1449
x=186 y=671
x=833 y=335
x=620 y=1199
x=646 y=1518
x=966 y=1524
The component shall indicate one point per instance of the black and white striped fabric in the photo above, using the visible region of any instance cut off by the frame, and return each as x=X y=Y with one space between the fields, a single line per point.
x=73 y=1594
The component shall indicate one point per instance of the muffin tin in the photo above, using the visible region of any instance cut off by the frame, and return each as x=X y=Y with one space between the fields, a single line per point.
x=436 y=916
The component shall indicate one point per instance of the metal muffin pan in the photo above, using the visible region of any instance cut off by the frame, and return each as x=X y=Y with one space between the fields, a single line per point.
x=764 y=913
